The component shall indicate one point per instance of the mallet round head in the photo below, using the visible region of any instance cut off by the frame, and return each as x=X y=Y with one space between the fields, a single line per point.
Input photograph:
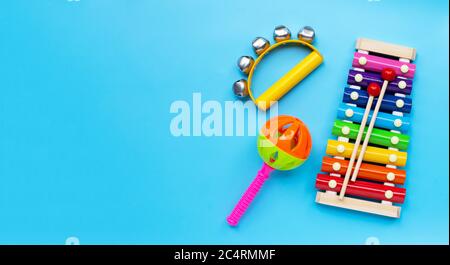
x=373 y=89
x=388 y=74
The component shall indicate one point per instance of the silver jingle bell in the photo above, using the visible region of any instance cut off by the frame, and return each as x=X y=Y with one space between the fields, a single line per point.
x=281 y=33
x=260 y=45
x=240 y=88
x=245 y=63
x=306 y=34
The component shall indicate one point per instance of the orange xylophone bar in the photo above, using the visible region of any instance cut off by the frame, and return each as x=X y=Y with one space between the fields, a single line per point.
x=366 y=171
x=363 y=189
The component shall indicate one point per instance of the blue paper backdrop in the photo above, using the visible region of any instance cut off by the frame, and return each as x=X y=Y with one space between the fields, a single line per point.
x=85 y=147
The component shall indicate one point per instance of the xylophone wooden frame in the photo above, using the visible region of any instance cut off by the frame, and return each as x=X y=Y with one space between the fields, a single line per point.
x=330 y=196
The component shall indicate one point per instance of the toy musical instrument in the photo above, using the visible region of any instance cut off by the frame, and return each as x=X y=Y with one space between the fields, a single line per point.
x=284 y=143
x=262 y=47
x=366 y=176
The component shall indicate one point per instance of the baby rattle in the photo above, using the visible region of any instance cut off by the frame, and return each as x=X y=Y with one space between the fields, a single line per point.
x=284 y=143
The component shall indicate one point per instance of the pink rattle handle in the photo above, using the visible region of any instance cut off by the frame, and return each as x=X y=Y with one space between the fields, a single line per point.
x=249 y=195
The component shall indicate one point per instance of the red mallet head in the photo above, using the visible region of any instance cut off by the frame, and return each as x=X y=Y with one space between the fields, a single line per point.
x=388 y=74
x=373 y=89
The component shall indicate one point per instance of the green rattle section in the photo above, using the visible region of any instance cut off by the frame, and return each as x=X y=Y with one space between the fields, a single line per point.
x=378 y=136
x=275 y=157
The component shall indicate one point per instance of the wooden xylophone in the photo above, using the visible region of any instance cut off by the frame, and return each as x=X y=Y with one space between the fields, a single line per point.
x=362 y=170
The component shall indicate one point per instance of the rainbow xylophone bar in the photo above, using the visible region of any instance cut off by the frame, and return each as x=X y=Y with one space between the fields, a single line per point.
x=376 y=186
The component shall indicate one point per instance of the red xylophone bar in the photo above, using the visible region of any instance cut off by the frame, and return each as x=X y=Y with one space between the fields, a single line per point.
x=363 y=189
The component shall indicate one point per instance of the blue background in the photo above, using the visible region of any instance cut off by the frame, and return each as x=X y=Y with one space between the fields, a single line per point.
x=85 y=145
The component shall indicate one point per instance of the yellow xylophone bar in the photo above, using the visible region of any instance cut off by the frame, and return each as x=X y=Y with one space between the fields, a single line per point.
x=373 y=154
x=290 y=79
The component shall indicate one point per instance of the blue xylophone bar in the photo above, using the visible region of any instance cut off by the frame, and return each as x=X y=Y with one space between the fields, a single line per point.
x=384 y=120
x=389 y=104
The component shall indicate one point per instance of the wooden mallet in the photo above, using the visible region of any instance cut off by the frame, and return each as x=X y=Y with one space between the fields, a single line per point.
x=374 y=90
x=388 y=75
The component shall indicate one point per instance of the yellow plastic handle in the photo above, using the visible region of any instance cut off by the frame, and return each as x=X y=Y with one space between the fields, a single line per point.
x=290 y=79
